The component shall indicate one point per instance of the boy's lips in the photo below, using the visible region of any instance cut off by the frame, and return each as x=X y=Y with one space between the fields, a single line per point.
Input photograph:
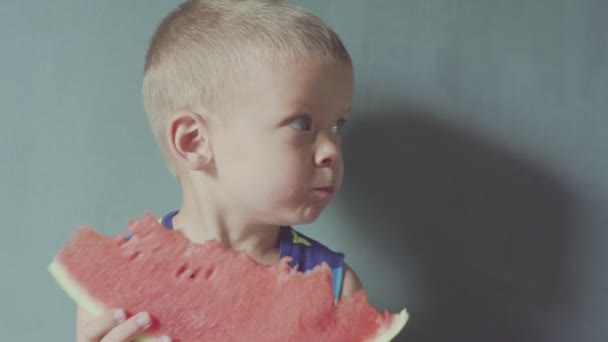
x=325 y=190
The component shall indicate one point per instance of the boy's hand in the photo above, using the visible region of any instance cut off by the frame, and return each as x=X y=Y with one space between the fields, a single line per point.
x=112 y=326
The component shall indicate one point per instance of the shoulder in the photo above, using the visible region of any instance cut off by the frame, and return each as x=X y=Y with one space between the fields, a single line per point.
x=306 y=241
x=351 y=284
x=311 y=252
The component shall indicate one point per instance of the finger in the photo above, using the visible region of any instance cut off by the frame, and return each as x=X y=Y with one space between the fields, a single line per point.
x=128 y=330
x=98 y=326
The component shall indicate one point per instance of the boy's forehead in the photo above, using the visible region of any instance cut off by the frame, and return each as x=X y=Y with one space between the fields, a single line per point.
x=317 y=91
x=301 y=81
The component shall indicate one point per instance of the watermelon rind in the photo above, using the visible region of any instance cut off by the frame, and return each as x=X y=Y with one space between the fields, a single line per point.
x=79 y=295
x=393 y=329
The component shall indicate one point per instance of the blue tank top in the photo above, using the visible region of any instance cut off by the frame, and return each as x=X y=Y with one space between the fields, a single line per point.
x=305 y=253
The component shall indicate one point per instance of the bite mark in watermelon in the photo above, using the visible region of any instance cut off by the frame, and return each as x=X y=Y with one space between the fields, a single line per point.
x=206 y=292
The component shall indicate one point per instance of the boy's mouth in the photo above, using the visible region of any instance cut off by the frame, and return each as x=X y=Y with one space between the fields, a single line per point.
x=325 y=191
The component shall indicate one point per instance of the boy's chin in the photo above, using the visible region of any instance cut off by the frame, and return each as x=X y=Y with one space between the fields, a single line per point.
x=291 y=215
x=307 y=220
x=301 y=218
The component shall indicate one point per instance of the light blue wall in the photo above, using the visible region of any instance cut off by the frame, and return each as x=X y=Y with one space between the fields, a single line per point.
x=75 y=144
x=476 y=189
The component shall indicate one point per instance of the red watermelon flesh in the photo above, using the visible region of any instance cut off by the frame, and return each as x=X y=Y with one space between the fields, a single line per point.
x=206 y=292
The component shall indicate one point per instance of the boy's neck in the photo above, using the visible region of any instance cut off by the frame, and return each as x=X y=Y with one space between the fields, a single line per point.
x=202 y=221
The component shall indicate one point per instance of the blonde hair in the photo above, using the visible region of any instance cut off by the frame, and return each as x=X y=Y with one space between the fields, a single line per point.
x=203 y=45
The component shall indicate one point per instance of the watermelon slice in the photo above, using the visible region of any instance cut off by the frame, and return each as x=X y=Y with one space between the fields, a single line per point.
x=206 y=292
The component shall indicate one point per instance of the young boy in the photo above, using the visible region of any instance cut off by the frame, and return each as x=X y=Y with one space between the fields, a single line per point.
x=246 y=100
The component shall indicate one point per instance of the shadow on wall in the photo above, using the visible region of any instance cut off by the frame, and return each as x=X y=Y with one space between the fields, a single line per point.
x=488 y=232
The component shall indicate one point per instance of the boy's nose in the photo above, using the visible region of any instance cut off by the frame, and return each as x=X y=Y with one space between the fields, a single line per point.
x=326 y=162
x=328 y=152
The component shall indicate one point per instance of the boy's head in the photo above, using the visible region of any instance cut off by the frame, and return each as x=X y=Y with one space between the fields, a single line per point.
x=250 y=95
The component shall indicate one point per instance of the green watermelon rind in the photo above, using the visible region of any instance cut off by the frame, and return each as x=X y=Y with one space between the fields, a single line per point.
x=79 y=295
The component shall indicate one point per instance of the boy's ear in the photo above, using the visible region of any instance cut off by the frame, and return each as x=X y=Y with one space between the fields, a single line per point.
x=188 y=139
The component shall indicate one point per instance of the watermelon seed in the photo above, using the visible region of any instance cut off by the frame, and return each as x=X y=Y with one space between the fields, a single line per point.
x=194 y=274
x=209 y=273
x=134 y=256
x=181 y=270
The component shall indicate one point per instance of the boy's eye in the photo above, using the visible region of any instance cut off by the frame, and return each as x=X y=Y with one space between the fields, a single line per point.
x=337 y=129
x=302 y=123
